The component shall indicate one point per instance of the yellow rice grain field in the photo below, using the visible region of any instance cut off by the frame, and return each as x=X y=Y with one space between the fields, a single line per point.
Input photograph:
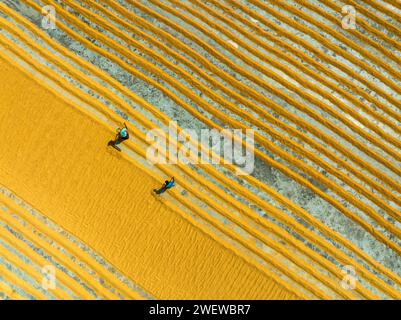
x=320 y=216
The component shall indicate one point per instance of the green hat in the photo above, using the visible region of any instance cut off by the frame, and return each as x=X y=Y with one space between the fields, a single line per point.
x=124 y=132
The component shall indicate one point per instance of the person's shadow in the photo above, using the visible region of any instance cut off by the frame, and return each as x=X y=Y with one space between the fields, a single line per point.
x=114 y=151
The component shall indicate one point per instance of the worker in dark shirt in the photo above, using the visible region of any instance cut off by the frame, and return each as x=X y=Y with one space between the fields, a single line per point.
x=122 y=135
x=167 y=185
